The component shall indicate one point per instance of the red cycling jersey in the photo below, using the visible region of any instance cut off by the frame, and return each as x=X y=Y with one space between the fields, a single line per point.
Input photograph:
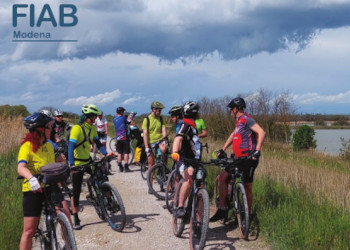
x=244 y=139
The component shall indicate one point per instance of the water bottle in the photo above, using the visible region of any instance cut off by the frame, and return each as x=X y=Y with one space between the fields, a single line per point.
x=158 y=152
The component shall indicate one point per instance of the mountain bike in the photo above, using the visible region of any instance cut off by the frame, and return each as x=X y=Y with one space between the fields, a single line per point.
x=103 y=195
x=196 y=207
x=236 y=197
x=54 y=230
x=172 y=181
x=157 y=176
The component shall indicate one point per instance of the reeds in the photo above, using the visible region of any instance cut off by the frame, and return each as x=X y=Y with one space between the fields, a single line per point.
x=11 y=133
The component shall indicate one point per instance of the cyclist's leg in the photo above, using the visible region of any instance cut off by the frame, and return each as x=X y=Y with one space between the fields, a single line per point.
x=126 y=152
x=119 y=148
x=186 y=187
x=249 y=167
x=32 y=205
x=163 y=149
x=223 y=180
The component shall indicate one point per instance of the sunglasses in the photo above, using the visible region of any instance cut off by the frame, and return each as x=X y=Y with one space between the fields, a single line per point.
x=59 y=116
x=158 y=109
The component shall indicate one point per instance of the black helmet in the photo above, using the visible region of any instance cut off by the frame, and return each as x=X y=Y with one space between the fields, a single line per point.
x=176 y=110
x=191 y=109
x=238 y=102
x=120 y=110
x=36 y=120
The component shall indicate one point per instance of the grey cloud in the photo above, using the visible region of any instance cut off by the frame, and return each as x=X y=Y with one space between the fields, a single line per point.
x=131 y=27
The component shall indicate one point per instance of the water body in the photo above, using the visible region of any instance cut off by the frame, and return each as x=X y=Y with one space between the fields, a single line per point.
x=328 y=140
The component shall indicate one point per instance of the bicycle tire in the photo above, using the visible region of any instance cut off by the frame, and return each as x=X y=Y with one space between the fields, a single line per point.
x=157 y=178
x=199 y=220
x=112 y=144
x=144 y=169
x=170 y=190
x=95 y=200
x=114 y=209
x=62 y=236
x=242 y=211
x=178 y=224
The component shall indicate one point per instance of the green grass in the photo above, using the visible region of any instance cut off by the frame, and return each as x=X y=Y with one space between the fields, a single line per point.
x=291 y=219
x=11 y=214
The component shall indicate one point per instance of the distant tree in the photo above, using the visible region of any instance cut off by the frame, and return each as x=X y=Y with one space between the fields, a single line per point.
x=341 y=121
x=345 y=150
x=304 y=138
x=15 y=110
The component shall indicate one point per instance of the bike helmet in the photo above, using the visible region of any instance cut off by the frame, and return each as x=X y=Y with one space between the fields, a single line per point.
x=157 y=105
x=58 y=112
x=133 y=112
x=238 y=102
x=176 y=110
x=101 y=113
x=36 y=120
x=46 y=112
x=120 y=110
x=90 y=109
x=191 y=109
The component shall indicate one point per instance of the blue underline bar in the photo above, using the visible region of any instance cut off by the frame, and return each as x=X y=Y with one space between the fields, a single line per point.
x=56 y=41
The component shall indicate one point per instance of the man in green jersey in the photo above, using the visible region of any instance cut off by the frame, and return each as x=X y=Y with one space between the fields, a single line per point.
x=154 y=131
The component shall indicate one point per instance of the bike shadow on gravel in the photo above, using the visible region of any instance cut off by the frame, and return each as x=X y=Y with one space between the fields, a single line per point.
x=220 y=236
x=133 y=221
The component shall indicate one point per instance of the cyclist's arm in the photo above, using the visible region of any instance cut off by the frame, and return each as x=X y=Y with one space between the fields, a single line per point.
x=177 y=144
x=260 y=135
x=71 y=145
x=164 y=134
x=23 y=170
x=203 y=134
x=106 y=128
x=100 y=145
x=145 y=137
x=228 y=142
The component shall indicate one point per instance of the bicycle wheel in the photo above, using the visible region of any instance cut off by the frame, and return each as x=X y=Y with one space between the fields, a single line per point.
x=112 y=144
x=199 y=220
x=242 y=211
x=144 y=169
x=178 y=224
x=113 y=207
x=95 y=200
x=62 y=236
x=170 y=189
x=157 y=179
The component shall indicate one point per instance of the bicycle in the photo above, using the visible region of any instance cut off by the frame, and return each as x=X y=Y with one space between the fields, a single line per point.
x=196 y=207
x=103 y=195
x=236 y=197
x=173 y=179
x=55 y=231
x=157 y=175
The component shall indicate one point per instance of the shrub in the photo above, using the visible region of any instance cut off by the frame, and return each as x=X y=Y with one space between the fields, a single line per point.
x=304 y=138
x=345 y=150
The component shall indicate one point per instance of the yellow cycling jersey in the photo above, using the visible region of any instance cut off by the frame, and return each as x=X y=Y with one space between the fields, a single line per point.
x=35 y=161
x=154 y=128
x=82 y=152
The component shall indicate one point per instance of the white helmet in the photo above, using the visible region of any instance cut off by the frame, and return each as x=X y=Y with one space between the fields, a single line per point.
x=57 y=112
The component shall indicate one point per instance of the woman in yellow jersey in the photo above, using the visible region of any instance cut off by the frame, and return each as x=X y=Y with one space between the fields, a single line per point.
x=34 y=153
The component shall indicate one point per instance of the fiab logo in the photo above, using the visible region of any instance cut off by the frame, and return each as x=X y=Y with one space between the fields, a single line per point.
x=24 y=14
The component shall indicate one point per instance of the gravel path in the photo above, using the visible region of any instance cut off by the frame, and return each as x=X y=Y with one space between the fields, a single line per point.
x=148 y=223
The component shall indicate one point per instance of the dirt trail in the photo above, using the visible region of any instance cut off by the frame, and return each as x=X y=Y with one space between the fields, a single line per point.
x=148 y=223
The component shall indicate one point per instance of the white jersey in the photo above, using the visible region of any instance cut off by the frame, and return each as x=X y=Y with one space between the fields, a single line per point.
x=100 y=124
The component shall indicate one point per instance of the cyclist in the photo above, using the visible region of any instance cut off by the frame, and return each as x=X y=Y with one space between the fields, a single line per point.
x=80 y=140
x=59 y=126
x=154 y=131
x=176 y=114
x=134 y=130
x=247 y=140
x=123 y=143
x=201 y=128
x=102 y=128
x=184 y=146
x=34 y=153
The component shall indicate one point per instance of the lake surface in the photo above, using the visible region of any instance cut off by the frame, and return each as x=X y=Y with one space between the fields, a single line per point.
x=328 y=140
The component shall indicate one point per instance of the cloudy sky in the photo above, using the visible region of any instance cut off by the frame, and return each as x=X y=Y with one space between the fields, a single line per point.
x=131 y=52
